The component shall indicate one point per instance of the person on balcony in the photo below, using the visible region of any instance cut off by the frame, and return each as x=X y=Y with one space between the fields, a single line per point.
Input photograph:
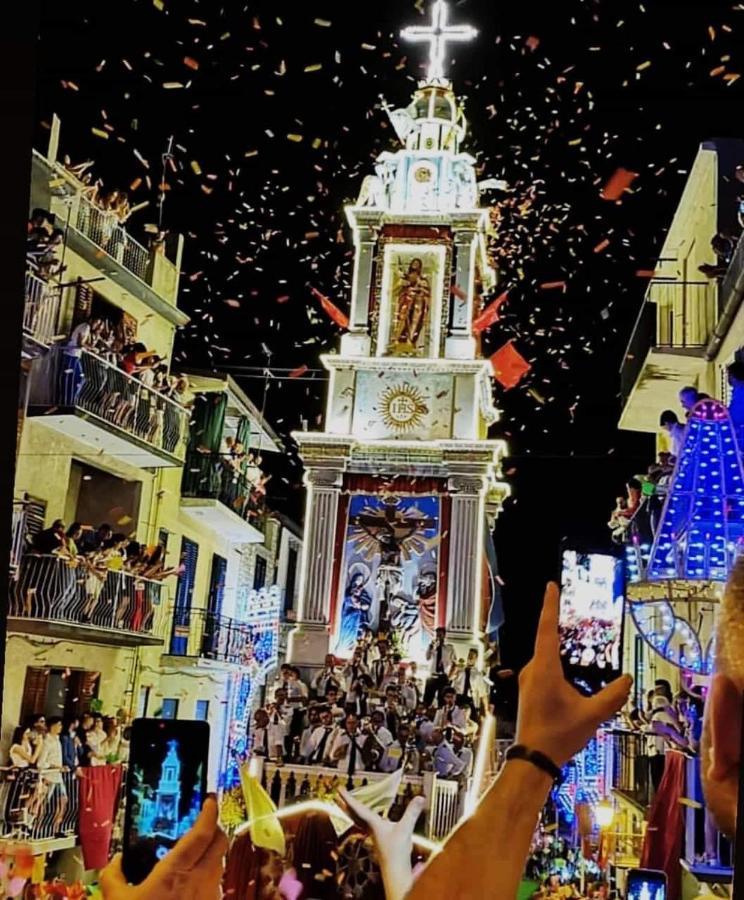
x=334 y=701
x=24 y=751
x=93 y=541
x=51 y=767
x=71 y=376
x=72 y=746
x=95 y=739
x=669 y=422
x=689 y=397
x=50 y=540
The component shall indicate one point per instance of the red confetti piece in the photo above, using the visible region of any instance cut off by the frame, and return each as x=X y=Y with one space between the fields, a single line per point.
x=298 y=372
x=553 y=285
x=509 y=366
x=191 y=62
x=490 y=314
x=331 y=310
x=618 y=184
x=603 y=245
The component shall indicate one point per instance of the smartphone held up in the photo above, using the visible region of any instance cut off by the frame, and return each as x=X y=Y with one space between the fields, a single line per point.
x=591 y=618
x=166 y=787
x=646 y=884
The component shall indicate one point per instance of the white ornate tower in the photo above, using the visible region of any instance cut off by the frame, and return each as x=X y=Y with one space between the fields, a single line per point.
x=403 y=483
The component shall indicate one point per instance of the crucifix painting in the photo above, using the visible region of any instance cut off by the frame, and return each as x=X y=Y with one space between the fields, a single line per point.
x=390 y=572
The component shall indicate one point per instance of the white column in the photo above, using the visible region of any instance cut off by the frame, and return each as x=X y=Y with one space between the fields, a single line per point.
x=465 y=555
x=357 y=342
x=460 y=343
x=308 y=642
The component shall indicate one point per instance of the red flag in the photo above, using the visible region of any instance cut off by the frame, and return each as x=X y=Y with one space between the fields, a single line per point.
x=509 y=366
x=618 y=184
x=490 y=314
x=331 y=310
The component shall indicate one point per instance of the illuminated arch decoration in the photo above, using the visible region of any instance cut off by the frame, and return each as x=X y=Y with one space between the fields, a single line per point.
x=702 y=523
x=676 y=584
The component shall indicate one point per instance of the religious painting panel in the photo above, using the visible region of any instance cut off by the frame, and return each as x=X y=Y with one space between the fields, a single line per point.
x=390 y=572
x=411 y=307
x=403 y=405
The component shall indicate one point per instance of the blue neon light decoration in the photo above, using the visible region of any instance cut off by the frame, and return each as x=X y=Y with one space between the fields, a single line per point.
x=702 y=523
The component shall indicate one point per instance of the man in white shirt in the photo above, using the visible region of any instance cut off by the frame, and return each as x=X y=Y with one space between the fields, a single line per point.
x=95 y=740
x=379 y=730
x=380 y=666
x=354 y=669
x=321 y=741
x=462 y=752
x=358 y=697
x=269 y=732
x=441 y=658
x=329 y=676
x=406 y=691
x=313 y=720
x=401 y=755
x=449 y=715
x=348 y=746
x=446 y=763
x=50 y=767
x=469 y=683
x=333 y=701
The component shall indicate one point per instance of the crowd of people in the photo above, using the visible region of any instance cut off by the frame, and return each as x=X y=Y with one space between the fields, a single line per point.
x=375 y=713
x=45 y=752
x=234 y=474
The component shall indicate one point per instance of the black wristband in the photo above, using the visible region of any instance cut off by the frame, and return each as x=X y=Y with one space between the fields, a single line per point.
x=540 y=760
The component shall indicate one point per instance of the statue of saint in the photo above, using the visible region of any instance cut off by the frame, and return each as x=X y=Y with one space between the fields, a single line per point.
x=412 y=308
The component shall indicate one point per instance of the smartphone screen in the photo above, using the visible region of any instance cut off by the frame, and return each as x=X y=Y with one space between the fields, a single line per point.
x=166 y=787
x=591 y=618
x=645 y=884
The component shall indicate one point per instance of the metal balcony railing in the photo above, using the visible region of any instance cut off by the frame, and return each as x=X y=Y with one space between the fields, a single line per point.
x=642 y=340
x=104 y=392
x=54 y=589
x=687 y=313
x=103 y=228
x=199 y=633
x=18 y=535
x=630 y=771
x=41 y=309
x=210 y=476
x=38 y=805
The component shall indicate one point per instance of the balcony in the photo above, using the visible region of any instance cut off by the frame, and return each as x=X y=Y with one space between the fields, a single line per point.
x=40 y=315
x=69 y=599
x=630 y=772
x=97 y=237
x=217 y=495
x=90 y=399
x=207 y=638
x=667 y=349
x=18 y=535
x=42 y=820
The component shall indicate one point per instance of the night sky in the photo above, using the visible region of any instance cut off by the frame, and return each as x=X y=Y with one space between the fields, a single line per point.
x=275 y=112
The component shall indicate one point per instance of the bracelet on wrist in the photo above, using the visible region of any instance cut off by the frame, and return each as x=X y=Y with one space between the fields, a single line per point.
x=535 y=758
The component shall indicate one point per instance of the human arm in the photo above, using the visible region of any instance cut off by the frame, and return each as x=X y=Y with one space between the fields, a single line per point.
x=193 y=868
x=553 y=719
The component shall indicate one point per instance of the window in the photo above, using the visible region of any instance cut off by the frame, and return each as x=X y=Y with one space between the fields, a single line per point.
x=169 y=709
x=58 y=692
x=184 y=599
x=259 y=574
x=291 y=579
x=201 y=712
x=217 y=584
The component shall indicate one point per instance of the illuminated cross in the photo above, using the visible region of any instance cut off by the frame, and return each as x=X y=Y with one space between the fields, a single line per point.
x=438 y=35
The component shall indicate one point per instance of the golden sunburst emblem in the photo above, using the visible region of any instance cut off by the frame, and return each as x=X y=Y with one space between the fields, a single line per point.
x=403 y=407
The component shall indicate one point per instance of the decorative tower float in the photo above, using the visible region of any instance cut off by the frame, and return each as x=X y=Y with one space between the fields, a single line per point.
x=403 y=485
